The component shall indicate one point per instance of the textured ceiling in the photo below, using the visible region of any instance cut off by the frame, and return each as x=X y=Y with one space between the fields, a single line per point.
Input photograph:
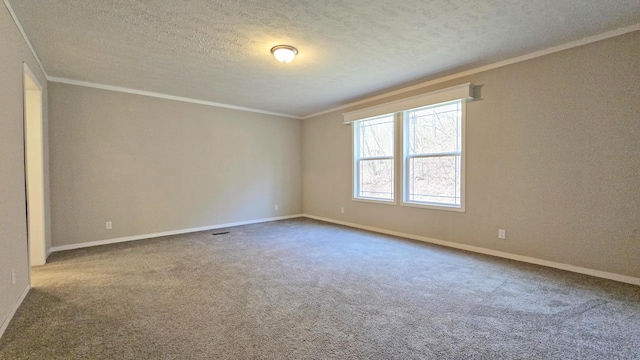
x=218 y=50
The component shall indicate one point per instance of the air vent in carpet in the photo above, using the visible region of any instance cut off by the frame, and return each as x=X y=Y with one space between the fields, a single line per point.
x=220 y=233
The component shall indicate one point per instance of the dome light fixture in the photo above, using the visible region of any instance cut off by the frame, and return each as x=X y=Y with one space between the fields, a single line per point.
x=284 y=53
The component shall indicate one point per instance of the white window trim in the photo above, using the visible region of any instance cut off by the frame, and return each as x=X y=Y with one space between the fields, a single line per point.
x=354 y=172
x=463 y=157
x=461 y=92
x=458 y=92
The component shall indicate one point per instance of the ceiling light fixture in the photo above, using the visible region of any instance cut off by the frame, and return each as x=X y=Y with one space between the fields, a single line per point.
x=284 y=53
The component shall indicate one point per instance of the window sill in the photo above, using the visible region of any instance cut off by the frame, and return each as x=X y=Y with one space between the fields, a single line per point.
x=375 y=201
x=453 y=208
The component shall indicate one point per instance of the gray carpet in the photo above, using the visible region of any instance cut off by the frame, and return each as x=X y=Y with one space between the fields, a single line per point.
x=303 y=289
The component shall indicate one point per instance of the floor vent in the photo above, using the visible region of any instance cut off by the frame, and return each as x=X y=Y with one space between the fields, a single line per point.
x=220 y=233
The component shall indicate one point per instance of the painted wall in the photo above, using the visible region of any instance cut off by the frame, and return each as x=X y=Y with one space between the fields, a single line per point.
x=553 y=157
x=151 y=165
x=13 y=226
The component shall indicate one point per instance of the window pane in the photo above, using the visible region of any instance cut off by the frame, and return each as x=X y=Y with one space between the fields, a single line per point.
x=434 y=180
x=376 y=137
x=434 y=129
x=376 y=179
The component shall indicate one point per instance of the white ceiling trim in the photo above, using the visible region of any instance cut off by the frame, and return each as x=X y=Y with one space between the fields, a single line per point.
x=165 y=96
x=24 y=36
x=127 y=90
x=551 y=50
x=533 y=55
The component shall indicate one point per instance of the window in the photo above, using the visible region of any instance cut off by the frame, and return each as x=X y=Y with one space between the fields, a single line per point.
x=433 y=155
x=430 y=136
x=373 y=158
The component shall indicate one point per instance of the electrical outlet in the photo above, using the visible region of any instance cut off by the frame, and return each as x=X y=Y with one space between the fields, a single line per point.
x=275 y=207
x=342 y=210
x=13 y=277
x=502 y=234
x=108 y=225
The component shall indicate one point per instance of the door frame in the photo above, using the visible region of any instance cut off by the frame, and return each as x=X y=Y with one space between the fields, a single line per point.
x=34 y=168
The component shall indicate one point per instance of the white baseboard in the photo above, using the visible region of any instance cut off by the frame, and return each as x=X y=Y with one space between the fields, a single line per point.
x=526 y=259
x=12 y=311
x=167 y=233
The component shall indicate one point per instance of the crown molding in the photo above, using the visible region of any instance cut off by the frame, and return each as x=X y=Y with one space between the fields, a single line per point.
x=165 y=96
x=533 y=55
x=127 y=90
x=499 y=64
x=24 y=36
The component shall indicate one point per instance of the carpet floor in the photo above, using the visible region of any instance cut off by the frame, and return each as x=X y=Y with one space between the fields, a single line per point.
x=304 y=289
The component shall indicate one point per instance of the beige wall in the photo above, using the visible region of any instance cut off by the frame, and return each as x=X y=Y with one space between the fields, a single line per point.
x=553 y=157
x=151 y=165
x=13 y=233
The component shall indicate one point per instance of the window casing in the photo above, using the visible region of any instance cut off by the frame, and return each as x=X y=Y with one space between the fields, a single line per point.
x=430 y=137
x=374 y=160
x=433 y=161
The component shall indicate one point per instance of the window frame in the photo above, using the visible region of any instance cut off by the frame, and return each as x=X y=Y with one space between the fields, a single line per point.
x=356 y=159
x=462 y=92
x=406 y=158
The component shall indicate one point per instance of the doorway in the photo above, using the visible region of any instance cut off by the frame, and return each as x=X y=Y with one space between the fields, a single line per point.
x=34 y=168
